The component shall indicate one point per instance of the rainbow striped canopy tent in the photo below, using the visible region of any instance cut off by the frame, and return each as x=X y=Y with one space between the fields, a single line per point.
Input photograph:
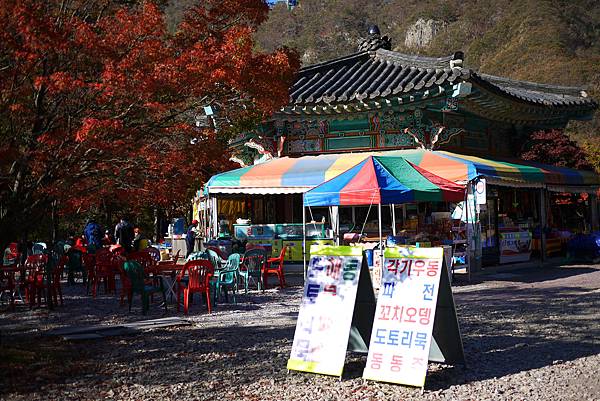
x=383 y=180
x=298 y=175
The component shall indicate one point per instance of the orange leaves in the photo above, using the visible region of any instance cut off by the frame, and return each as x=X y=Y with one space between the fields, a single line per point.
x=94 y=128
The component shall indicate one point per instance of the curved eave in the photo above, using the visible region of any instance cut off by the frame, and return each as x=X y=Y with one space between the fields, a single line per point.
x=490 y=100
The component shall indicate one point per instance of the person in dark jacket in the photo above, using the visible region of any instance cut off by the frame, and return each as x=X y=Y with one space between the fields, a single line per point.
x=190 y=237
x=124 y=234
x=93 y=235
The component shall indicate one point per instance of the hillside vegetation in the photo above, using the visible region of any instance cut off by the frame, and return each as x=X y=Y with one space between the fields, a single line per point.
x=548 y=41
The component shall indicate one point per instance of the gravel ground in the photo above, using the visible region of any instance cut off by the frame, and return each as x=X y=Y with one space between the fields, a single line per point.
x=530 y=334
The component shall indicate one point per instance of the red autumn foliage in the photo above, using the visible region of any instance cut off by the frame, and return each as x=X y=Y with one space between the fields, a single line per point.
x=98 y=100
x=555 y=148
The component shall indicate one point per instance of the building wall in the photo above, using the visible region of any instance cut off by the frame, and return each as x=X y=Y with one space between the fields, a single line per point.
x=386 y=130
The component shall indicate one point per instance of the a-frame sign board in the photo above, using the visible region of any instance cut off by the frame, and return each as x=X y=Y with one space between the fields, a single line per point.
x=446 y=345
x=415 y=320
x=336 y=313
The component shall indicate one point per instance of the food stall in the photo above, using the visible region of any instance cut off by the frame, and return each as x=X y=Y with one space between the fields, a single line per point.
x=273 y=192
x=277 y=236
x=380 y=180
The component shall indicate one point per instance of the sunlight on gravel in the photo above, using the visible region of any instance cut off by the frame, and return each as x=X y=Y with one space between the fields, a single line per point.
x=534 y=336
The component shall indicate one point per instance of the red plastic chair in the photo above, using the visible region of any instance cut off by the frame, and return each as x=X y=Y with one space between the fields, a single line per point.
x=199 y=274
x=36 y=267
x=106 y=267
x=144 y=259
x=275 y=266
x=55 y=288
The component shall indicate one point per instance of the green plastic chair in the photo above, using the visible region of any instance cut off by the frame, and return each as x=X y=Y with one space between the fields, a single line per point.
x=137 y=284
x=229 y=276
x=75 y=265
x=253 y=265
x=214 y=259
x=196 y=256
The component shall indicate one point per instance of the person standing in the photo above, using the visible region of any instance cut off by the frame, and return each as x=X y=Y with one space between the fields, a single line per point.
x=124 y=234
x=93 y=235
x=190 y=238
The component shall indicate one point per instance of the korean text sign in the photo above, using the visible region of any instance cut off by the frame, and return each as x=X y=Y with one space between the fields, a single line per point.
x=403 y=326
x=325 y=315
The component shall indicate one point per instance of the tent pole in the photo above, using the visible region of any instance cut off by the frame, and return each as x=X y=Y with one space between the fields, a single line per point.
x=208 y=218
x=393 y=219
x=380 y=236
x=542 y=225
x=304 y=237
x=215 y=218
x=336 y=210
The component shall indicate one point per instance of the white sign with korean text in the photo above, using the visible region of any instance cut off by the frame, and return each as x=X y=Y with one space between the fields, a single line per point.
x=403 y=326
x=325 y=315
x=480 y=191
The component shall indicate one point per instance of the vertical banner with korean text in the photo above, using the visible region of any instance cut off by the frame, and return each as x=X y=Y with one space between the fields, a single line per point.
x=403 y=326
x=326 y=311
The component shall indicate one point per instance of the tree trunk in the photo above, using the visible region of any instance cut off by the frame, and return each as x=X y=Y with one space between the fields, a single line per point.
x=54 y=234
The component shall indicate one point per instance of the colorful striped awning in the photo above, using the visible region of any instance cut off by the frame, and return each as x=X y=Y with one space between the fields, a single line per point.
x=298 y=175
x=383 y=180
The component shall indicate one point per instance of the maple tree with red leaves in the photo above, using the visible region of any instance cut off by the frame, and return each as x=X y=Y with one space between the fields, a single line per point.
x=554 y=147
x=98 y=101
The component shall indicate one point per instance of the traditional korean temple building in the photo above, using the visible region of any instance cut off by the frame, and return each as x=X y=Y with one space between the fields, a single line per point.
x=377 y=100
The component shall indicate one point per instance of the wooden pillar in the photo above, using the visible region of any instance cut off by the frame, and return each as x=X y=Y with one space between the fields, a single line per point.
x=543 y=224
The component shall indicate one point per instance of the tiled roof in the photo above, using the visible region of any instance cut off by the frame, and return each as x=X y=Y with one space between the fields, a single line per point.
x=370 y=75
x=542 y=94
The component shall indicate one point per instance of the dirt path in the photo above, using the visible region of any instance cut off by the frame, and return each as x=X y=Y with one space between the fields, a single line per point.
x=528 y=335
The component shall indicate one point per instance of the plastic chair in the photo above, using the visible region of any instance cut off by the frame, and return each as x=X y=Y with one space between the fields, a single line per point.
x=139 y=285
x=228 y=277
x=155 y=253
x=89 y=264
x=106 y=267
x=36 y=268
x=275 y=266
x=214 y=258
x=218 y=251
x=38 y=248
x=199 y=274
x=55 y=288
x=7 y=288
x=75 y=265
x=197 y=256
x=252 y=267
x=144 y=259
